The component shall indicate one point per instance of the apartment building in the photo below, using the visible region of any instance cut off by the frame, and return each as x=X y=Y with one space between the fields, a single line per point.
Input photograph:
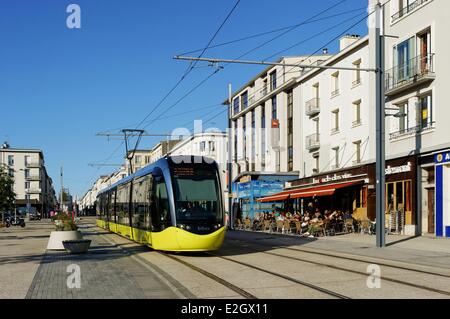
x=322 y=126
x=32 y=184
x=417 y=77
x=212 y=145
x=161 y=149
x=141 y=158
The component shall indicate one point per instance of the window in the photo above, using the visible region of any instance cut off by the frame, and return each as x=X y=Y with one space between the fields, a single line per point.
x=141 y=202
x=335 y=84
x=335 y=128
x=11 y=172
x=161 y=213
x=27 y=185
x=235 y=140
x=316 y=163
x=138 y=159
x=263 y=137
x=244 y=100
x=426 y=111
x=212 y=147
x=273 y=80
x=357 y=73
x=11 y=160
x=403 y=117
x=244 y=139
x=357 y=146
x=202 y=146
x=253 y=155
x=197 y=199
x=357 y=113
x=27 y=173
x=274 y=108
x=336 y=158
x=147 y=159
x=236 y=106
x=27 y=160
x=122 y=204
x=290 y=130
x=403 y=59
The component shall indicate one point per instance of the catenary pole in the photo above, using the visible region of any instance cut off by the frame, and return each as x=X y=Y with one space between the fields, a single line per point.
x=380 y=130
x=229 y=164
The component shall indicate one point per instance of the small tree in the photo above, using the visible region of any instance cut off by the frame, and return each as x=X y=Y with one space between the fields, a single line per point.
x=7 y=195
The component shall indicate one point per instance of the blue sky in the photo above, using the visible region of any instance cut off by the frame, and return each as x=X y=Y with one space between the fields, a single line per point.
x=59 y=87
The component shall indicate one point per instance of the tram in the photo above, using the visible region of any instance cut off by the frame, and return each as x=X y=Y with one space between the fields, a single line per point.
x=174 y=204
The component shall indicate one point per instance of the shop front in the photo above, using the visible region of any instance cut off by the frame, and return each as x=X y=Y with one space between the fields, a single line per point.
x=400 y=195
x=352 y=192
x=442 y=198
x=346 y=191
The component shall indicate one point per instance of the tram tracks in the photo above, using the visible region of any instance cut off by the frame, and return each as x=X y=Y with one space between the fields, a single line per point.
x=353 y=271
x=243 y=292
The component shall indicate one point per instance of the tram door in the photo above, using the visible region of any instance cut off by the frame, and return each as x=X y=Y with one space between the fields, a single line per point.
x=160 y=208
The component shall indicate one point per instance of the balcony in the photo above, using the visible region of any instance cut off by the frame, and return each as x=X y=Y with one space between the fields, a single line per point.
x=356 y=82
x=33 y=191
x=33 y=165
x=416 y=71
x=405 y=10
x=312 y=107
x=312 y=142
x=33 y=178
x=412 y=131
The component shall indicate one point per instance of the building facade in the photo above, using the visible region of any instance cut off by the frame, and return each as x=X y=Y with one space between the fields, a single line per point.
x=32 y=184
x=320 y=123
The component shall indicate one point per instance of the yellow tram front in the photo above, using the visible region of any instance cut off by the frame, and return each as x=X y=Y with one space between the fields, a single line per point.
x=174 y=204
x=195 y=201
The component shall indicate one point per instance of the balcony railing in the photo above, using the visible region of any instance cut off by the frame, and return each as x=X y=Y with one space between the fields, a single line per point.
x=356 y=82
x=312 y=141
x=32 y=164
x=356 y=123
x=411 y=131
x=414 y=71
x=335 y=93
x=33 y=178
x=409 y=8
x=33 y=190
x=312 y=107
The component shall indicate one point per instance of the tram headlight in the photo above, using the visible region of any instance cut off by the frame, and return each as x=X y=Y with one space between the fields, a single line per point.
x=217 y=226
x=182 y=226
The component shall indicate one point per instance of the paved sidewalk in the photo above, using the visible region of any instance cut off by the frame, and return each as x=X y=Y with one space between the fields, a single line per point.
x=21 y=251
x=106 y=272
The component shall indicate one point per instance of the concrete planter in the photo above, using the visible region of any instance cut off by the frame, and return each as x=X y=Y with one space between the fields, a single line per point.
x=57 y=237
x=77 y=246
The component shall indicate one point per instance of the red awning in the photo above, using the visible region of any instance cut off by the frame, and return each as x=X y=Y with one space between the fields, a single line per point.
x=325 y=190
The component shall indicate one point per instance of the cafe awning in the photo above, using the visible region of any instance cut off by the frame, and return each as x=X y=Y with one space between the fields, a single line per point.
x=317 y=191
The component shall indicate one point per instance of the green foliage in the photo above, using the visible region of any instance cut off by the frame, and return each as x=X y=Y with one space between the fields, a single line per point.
x=64 y=222
x=7 y=195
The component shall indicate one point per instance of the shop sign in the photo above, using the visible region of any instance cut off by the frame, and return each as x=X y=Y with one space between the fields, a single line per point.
x=398 y=169
x=331 y=178
x=442 y=158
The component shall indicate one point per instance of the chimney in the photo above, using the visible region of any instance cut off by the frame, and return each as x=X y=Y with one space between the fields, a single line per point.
x=348 y=40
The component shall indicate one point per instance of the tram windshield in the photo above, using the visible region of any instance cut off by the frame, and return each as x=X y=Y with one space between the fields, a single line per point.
x=197 y=195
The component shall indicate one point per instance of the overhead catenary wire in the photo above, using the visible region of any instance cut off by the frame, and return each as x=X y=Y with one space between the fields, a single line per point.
x=183 y=77
x=277 y=30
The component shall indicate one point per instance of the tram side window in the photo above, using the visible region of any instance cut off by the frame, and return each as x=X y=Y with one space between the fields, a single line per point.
x=111 y=206
x=160 y=212
x=141 y=203
x=122 y=204
x=102 y=207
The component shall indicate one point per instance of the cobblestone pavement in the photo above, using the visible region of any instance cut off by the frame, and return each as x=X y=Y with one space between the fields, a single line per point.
x=106 y=271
